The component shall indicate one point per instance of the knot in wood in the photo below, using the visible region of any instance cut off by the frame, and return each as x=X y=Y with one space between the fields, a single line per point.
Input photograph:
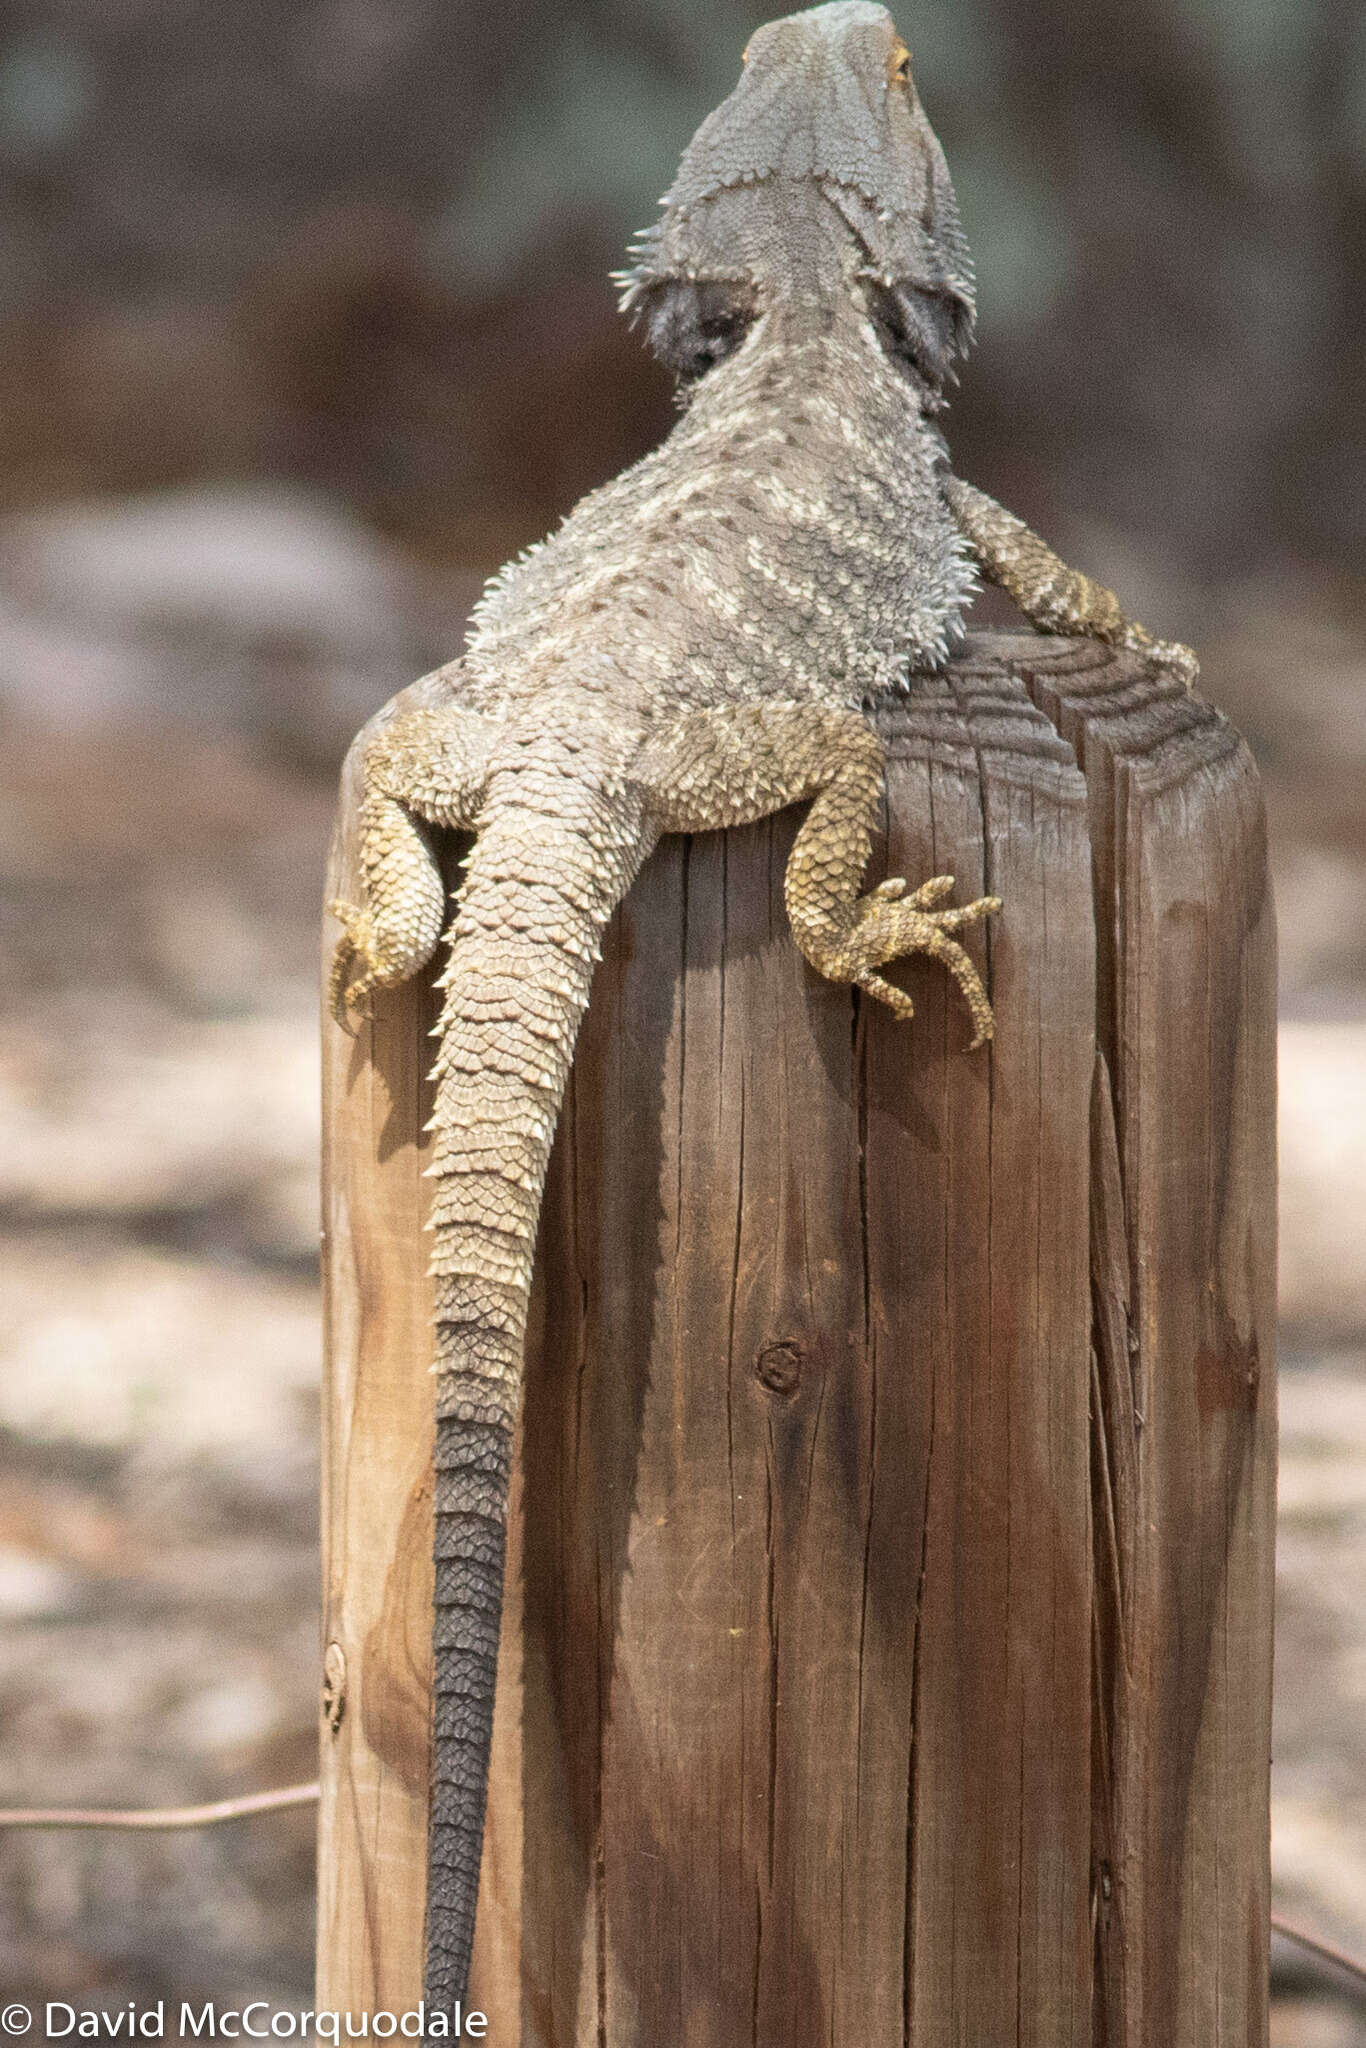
x=334 y=1686
x=778 y=1368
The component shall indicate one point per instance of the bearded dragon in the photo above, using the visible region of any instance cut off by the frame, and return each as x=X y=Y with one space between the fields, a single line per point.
x=693 y=648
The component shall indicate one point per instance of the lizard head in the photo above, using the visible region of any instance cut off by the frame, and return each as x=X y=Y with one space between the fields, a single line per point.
x=819 y=175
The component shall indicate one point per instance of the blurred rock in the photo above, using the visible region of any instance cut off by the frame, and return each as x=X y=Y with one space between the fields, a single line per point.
x=258 y=609
x=32 y=1588
x=1323 y=1188
x=1321 y=925
x=1309 y=2022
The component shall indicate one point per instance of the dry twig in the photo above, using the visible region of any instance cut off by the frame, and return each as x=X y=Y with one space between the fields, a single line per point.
x=152 y=1817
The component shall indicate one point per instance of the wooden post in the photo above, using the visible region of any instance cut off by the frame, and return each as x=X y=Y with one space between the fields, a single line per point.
x=888 y=1644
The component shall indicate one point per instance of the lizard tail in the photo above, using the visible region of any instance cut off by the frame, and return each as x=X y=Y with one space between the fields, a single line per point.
x=539 y=890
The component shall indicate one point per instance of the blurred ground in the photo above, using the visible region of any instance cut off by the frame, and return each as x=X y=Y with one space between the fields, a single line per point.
x=304 y=327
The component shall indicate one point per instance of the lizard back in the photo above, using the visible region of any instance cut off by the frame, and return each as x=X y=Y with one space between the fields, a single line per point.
x=789 y=540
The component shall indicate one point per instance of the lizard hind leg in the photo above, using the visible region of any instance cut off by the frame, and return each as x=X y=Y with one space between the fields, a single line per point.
x=729 y=766
x=847 y=936
x=427 y=764
x=395 y=931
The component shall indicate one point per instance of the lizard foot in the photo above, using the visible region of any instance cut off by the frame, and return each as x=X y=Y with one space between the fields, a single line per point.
x=355 y=973
x=1178 y=661
x=887 y=924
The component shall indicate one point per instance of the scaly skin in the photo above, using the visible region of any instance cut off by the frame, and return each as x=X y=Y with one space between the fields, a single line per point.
x=692 y=649
x=1055 y=598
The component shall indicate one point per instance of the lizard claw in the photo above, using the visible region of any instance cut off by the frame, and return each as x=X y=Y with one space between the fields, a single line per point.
x=930 y=935
x=932 y=892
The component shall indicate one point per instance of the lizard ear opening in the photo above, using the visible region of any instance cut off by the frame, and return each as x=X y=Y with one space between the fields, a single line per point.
x=690 y=323
x=926 y=328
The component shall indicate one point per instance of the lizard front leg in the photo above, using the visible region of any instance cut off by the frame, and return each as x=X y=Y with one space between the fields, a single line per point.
x=1053 y=597
x=427 y=765
x=729 y=766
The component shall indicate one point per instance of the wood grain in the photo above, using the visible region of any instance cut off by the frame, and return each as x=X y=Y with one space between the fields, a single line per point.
x=1185 y=1172
x=377 y=1453
x=887 y=1649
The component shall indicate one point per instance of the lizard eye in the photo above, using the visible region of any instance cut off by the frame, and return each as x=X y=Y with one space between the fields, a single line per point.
x=900 y=67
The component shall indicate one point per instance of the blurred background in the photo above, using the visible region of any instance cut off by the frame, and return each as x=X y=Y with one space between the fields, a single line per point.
x=304 y=327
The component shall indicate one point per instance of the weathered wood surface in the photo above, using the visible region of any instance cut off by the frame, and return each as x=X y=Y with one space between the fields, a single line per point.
x=887 y=1650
